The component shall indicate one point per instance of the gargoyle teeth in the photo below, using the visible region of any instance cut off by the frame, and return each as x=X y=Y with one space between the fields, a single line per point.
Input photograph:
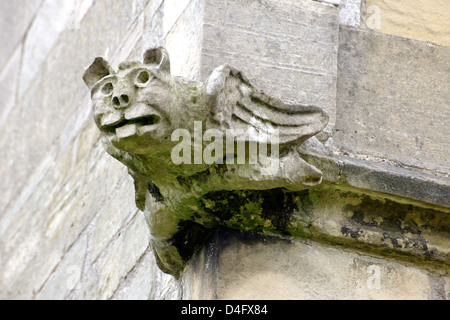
x=128 y=128
x=111 y=119
x=126 y=131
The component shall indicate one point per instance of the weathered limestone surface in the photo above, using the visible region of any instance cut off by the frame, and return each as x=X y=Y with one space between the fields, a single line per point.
x=393 y=100
x=350 y=12
x=258 y=268
x=8 y=83
x=67 y=209
x=287 y=48
x=416 y=19
x=397 y=183
x=15 y=18
x=186 y=33
x=66 y=112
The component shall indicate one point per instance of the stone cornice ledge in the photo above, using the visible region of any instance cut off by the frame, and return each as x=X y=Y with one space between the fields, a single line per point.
x=380 y=209
x=398 y=184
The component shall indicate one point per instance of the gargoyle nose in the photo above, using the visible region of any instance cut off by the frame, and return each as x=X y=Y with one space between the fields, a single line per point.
x=121 y=101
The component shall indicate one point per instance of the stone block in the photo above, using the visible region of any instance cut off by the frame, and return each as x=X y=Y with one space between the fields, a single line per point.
x=447 y=288
x=184 y=41
x=350 y=13
x=54 y=209
x=392 y=101
x=286 y=48
x=153 y=30
x=15 y=19
x=67 y=274
x=173 y=9
x=55 y=99
x=415 y=19
x=265 y=269
x=389 y=181
x=122 y=256
x=48 y=25
x=9 y=77
x=119 y=209
x=147 y=282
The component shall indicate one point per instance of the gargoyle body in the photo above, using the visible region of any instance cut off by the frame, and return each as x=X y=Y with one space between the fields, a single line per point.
x=139 y=107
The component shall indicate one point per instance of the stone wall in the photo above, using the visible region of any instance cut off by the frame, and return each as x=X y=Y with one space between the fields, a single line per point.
x=69 y=227
x=252 y=268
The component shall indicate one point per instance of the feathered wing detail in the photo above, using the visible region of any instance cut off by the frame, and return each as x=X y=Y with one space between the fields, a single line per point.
x=236 y=104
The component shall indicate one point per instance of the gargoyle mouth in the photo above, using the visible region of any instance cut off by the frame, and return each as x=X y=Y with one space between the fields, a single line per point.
x=130 y=127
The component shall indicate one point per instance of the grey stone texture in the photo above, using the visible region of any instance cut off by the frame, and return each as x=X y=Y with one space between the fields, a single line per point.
x=393 y=100
x=382 y=178
x=299 y=270
x=57 y=185
x=15 y=19
x=350 y=13
x=286 y=48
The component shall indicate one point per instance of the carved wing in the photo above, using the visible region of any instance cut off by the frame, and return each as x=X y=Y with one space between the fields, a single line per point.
x=237 y=104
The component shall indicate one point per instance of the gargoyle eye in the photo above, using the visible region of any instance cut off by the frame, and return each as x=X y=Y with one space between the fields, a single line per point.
x=107 y=89
x=143 y=78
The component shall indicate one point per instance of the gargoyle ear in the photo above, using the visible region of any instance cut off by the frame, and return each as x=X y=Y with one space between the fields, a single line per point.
x=158 y=57
x=99 y=69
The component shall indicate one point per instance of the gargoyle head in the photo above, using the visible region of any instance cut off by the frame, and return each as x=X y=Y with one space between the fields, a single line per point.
x=131 y=106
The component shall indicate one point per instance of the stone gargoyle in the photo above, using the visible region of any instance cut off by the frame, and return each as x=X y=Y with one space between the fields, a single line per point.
x=143 y=112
